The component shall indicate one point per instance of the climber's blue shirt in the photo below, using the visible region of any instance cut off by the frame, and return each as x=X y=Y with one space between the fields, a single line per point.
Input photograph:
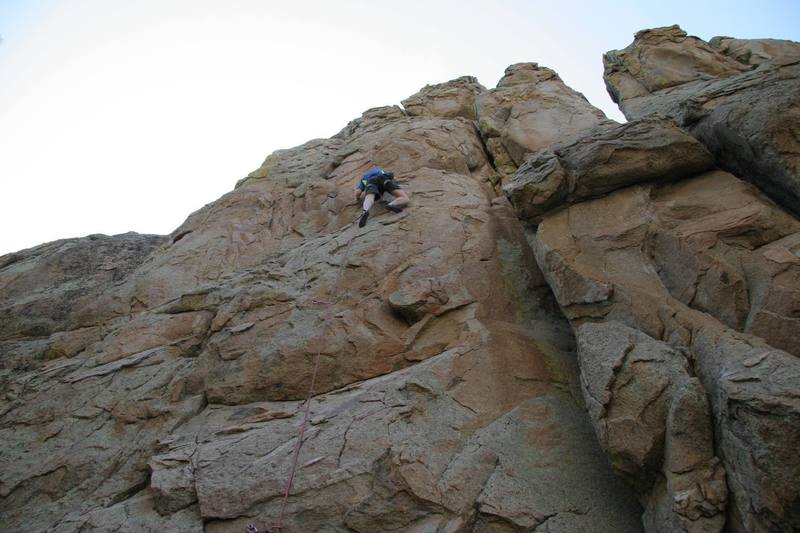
x=365 y=178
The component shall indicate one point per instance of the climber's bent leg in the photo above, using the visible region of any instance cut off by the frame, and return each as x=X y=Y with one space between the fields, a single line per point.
x=369 y=199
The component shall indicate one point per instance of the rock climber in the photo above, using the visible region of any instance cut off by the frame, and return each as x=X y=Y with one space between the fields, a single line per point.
x=371 y=187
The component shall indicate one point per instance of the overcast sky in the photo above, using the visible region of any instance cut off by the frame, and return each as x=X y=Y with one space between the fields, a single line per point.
x=121 y=115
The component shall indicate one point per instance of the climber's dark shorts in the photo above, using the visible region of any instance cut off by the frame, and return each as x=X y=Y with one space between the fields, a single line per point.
x=378 y=185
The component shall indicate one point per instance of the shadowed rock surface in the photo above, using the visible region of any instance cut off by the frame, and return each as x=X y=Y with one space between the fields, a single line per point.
x=576 y=325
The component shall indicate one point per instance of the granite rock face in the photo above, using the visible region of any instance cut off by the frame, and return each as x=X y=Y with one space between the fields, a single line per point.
x=576 y=325
x=43 y=287
x=757 y=51
x=609 y=158
x=741 y=98
x=167 y=397
x=663 y=58
x=530 y=109
x=673 y=261
x=681 y=283
x=652 y=417
x=455 y=98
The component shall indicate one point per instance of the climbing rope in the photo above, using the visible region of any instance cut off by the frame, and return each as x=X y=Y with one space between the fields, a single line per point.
x=278 y=528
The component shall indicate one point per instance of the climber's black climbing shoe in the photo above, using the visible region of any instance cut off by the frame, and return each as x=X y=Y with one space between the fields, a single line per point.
x=362 y=221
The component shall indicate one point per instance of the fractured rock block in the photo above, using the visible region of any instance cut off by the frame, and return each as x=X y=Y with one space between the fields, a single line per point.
x=530 y=109
x=681 y=259
x=608 y=158
x=652 y=419
x=455 y=98
x=172 y=477
x=748 y=118
x=661 y=58
x=757 y=51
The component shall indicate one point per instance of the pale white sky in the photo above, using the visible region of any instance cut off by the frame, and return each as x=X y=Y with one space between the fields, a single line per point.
x=119 y=115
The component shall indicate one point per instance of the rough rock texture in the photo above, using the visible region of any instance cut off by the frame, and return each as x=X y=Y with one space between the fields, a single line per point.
x=455 y=98
x=747 y=118
x=426 y=448
x=447 y=398
x=484 y=365
x=703 y=235
x=530 y=109
x=678 y=263
x=609 y=158
x=663 y=58
x=41 y=288
x=682 y=284
x=668 y=444
x=757 y=51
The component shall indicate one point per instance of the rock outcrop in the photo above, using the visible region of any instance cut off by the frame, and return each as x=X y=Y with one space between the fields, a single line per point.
x=577 y=325
x=757 y=51
x=644 y=258
x=607 y=159
x=652 y=417
x=445 y=392
x=44 y=287
x=741 y=98
x=530 y=109
x=681 y=281
x=455 y=98
x=660 y=59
